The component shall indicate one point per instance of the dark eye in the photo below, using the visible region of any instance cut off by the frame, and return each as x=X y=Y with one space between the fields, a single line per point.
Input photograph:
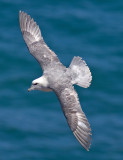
x=35 y=83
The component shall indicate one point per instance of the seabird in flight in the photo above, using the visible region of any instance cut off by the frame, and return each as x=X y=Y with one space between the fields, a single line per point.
x=56 y=77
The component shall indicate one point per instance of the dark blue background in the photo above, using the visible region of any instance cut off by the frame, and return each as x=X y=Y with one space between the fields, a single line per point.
x=32 y=125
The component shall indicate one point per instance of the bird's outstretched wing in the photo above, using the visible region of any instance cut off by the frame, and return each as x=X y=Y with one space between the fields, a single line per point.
x=34 y=40
x=76 y=118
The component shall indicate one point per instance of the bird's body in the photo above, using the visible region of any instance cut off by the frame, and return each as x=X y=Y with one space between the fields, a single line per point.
x=56 y=77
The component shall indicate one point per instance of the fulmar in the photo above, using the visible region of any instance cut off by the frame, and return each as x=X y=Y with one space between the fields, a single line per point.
x=56 y=77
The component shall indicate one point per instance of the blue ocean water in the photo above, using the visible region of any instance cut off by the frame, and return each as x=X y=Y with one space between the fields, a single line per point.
x=32 y=125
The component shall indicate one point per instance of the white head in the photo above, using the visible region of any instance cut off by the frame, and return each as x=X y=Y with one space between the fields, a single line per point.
x=40 y=83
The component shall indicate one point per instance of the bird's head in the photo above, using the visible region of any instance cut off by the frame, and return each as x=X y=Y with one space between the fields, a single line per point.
x=40 y=83
x=36 y=85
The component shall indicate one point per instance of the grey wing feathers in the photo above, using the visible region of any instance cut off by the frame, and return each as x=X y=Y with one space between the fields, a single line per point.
x=35 y=43
x=76 y=118
x=30 y=28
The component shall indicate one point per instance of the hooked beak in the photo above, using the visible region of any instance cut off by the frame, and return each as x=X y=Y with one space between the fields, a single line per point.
x=31 y=88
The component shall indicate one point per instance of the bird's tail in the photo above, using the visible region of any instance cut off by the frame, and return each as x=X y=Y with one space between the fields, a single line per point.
x=80 y=72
